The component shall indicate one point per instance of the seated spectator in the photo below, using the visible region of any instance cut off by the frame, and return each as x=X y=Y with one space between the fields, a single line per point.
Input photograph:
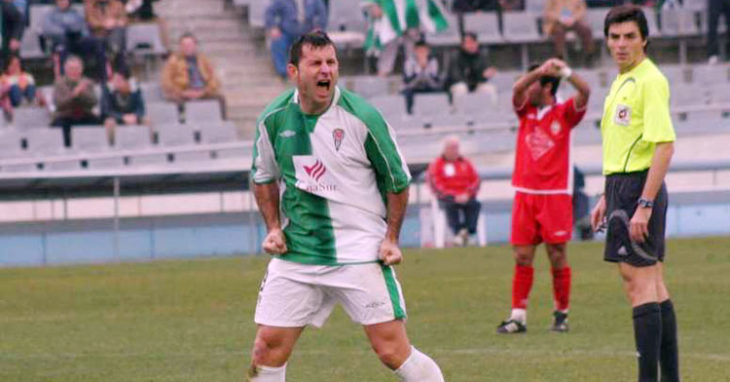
x=562 y=16
x=421 y=74
x=12 y=25
x=66 y=30
x=470 y=71
x=122 y=103
x=21 y=85
x=455 y=183
x=188 y=75
x=74 y=97
x=286 y=20
x=108 y=21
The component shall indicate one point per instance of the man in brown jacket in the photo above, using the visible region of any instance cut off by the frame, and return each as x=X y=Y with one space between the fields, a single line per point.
x=562 y=16
x=107 y=20
x=74 y=97
x=188 y=75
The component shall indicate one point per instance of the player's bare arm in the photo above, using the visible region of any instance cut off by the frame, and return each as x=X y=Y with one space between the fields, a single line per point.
x=267 y=198
x=658 y=170
x=520 y=87
x=390 y=253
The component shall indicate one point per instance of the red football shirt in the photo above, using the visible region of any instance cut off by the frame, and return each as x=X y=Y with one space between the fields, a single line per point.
x=542 y=160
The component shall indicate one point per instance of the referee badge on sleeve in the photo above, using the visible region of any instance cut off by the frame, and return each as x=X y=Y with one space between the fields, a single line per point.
x=623 y=115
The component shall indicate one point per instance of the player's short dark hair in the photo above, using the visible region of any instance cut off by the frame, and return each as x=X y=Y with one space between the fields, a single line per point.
x=469 y=34
x=544 y=80
x=316 y=39
x=624 y=13
x=421 y=43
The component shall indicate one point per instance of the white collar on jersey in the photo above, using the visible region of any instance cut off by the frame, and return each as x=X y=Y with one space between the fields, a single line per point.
x=335 y=97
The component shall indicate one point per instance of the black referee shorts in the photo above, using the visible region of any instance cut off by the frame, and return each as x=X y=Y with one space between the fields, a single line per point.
x=622 y=194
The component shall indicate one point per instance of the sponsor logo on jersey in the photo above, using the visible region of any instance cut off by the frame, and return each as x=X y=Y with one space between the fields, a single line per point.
x=623 y=115
x=338 y=135
x=538 y=143
x=316 y=171
x=287 y=134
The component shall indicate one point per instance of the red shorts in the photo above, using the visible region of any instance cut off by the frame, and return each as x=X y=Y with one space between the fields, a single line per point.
x=538 y=218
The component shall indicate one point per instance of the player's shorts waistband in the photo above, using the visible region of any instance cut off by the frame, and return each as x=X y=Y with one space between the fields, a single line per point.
x=633 y=174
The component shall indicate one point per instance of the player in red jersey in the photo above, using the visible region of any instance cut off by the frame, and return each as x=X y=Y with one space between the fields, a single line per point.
x=543 y=180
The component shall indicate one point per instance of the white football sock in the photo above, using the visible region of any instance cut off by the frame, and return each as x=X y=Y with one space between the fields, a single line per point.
x=519 y=315
x=270 y=374
x=419 y=368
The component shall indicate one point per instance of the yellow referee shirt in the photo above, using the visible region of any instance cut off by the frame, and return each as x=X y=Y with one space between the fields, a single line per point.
x=635 y=117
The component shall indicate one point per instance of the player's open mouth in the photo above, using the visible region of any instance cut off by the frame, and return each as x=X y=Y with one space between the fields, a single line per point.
x=324 y=84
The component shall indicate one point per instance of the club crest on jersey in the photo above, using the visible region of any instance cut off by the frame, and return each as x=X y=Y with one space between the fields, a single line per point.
x=338 y=135
x=555 y=128
x=623 y=115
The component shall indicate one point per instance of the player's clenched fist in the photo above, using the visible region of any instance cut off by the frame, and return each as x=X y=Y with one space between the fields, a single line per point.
x=390 y=253
x=275 y=243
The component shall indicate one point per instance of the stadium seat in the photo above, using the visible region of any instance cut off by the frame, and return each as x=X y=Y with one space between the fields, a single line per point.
x=485 y=25
x=218 y=133
x=720 y=94
x=407 y=122
x=151 y=92
x=473 y=103
x=441 y=230
x=709 y=74
x=62 y=165
x=447 y=120
x=11 y=143
x=31 y=45
x=505 y=80
x=596 y=18
x=175 y=135
x=389 y=105
x=256 y=12
x=676 y=74
x=343 y=16
x=688 y=95
x=105 y=163
x=651 y=21
x=144 y=39
x=148 y=160
x=89 y=139
x=431 y=104
x=367 y=86
x=678 y=22
x=132 y=137
x=203 y=111
x=45 y=141
x=162 y=112
x=520 y=27
x=448 y=37
x=30 y=117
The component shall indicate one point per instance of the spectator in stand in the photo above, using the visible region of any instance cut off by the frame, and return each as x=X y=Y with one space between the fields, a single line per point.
x=562 y=16
x=13 y=24
x=455 y=183
x=188 y=75
x=470 y=70
x=122 y=103
x=421 y=74
x=21 y=85
x=715 y=8
x=66 y=30
x=386 y=33
x=74 y=97
x=108 y=21
x=286 y=20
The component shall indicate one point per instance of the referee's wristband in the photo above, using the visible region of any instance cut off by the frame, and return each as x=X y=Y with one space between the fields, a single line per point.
x=566 y=72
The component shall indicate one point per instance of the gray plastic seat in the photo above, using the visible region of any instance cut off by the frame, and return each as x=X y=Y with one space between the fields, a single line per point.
x=431 y=104
x=447 y=37
x=110 y=163
x=147 y=160
x=11 y=144
x=175 y=135
x=162 y=112
x=520 y=27
x=151 y=92
x=485 y=25
x=596 y=17
x=256 y=11
x=25 y=117
x=688 y=95
x=720 y=94
x=651 y=21
x=367 y=86
x=343 y=16
x=218 y=133
x=675 y=74
x=709 y=74
x=678 y=22
x=145 y=39
x=89 y=139
x=389 y=105
x=132 y=137
x=45 y=141
x=203 y=111
x=64 y=165
x=473 y=103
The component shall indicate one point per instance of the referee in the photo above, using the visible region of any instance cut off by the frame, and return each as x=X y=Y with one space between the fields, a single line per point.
x=638 y=143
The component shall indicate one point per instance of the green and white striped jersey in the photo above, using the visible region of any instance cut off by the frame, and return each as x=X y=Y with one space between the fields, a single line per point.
x=334 y=170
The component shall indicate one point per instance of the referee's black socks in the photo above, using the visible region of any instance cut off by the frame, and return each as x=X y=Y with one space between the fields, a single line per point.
x=648 y=335
x=668 y=358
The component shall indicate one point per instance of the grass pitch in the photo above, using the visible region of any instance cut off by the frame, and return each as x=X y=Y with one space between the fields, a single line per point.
x=192 y=320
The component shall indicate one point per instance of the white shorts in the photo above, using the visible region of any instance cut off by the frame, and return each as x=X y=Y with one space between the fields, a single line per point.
x=297 y=295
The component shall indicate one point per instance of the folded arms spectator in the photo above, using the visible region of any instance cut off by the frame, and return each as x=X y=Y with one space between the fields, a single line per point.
x=74 y=97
